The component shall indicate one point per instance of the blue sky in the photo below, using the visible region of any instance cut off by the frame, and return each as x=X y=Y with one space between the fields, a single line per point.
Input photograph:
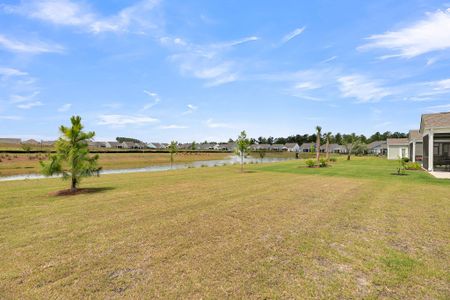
x=204 y=70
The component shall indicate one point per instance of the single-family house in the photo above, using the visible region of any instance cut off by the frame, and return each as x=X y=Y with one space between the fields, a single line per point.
x=10 y=141
x=114 y=145
x=435 y=131
x=93 y=144
x=308 y=147
x=48 y=143
x=291 y=147
x=31 y=142
x=377 y=148
x=397 y=148
x=260 y=147
x=415 y=145
x=333 y=148
x=277 y=147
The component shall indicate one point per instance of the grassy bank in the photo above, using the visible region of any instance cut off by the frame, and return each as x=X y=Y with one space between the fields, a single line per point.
x=277 y=231
x=15 y=164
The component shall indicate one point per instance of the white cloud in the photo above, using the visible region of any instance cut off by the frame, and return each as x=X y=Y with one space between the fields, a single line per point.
x=362 y=88
x=211 y=124
x=79 y=14
x=190 y=109
x=65 y=107
x=122 y=120
x=10 y=72
x=292 y=34
x=307 y=85
x=11 y=118
x=29 y=105
x=173 y=126
x=427 y=35
x=441 y=85
x=438 y=108
x=155 y=97
x=207 y=62
x=35 y=47
x=24 y=98
x=329 y=59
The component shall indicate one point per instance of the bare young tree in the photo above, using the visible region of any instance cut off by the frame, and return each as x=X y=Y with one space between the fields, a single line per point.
x=319 y=130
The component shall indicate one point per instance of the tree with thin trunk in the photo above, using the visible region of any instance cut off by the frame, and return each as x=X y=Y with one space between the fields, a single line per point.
x=72 y=158
x=262 y=154
x=328 y=136
x=242 y=147
x=173 y=149
x=350 y=142
x=319 y=130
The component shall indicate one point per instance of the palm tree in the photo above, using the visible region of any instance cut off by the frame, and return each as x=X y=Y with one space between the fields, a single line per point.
x=173 y=149
x=72 y=158
x=318 y=129
x=350 y=142
x=328 y=135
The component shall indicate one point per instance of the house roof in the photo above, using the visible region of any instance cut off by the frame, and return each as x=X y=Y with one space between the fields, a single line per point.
x=376 y=144
x=307 y=145
x=414 y=135
x=10 y=141
x=332 y=147
x=31 y=141
x=291 y=145
x=438 y=120
x=397 y=142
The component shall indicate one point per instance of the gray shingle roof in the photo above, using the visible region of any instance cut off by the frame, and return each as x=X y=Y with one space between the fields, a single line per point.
x=399 y=142
x=438 y=120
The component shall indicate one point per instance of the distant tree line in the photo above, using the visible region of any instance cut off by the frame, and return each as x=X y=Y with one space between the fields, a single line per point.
x=337 y=138
x=122 y=139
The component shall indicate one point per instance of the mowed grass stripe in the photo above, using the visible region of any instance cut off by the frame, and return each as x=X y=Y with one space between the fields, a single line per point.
x=216 y=233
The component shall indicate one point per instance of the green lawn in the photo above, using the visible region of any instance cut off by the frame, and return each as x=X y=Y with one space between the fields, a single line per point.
x=350 y=231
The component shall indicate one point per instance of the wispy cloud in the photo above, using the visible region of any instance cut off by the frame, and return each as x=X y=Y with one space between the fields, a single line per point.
x=10 y=72
x=155 y=98
x=122 y=120
x=35 y=47
x=329 y=59
x=292 y=34
x=212 y=124
x=190 y=109
x=208 y=62
x=173 y=126
x=438 y=108
x=362 y=88
x=29 y=105
x=65 y=107
x=427 y=35
x=81 y=15
x=11 y=118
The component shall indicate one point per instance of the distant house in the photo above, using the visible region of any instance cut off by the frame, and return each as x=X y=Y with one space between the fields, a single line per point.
x=435 y=130
x=415 y=145
x=96 y=144
x=397 y=148
x=333 y=148
x=291 y=147
x=31 y=142
x=260 y=147
x=48 y=143
x=277 y=147
x=154 y=145
x=10 y=141
x=377 y=148
x=114 y=145
x=307 y=147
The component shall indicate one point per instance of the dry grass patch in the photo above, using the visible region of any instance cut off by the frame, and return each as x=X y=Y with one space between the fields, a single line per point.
x=216 y=233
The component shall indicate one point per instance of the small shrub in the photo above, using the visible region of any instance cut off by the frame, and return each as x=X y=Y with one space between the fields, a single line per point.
x=333 y=159
x=401 y=167
x=405 y=159
x=310 y=163
x=323 y=163
x=413 y=166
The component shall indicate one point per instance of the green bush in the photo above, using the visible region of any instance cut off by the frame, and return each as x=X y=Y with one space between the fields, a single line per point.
x=323 y=163
x=413 y=166
x=310 y=163
x=333 y=159
x=405 y=159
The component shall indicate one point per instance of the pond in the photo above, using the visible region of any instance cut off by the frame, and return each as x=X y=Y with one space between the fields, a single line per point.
x=197 y=164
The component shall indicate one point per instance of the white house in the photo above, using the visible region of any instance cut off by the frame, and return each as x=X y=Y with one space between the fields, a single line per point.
x=291 y=147
x=415 y=145
x=397 y=148
x=435 y=130
x=377 y=148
